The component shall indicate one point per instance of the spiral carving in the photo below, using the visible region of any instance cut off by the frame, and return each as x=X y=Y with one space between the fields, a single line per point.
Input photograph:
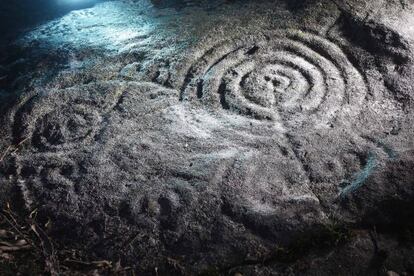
x=289 y=75
x=58 y=119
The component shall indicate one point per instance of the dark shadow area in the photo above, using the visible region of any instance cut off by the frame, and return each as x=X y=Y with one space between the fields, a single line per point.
x=17 y=16
x=299 y=4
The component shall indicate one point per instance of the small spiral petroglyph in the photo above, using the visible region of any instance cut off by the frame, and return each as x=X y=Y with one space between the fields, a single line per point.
x=62 y=119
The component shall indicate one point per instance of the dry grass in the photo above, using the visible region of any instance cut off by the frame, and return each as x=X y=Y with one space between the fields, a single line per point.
x=12 y=149
x=26 y=248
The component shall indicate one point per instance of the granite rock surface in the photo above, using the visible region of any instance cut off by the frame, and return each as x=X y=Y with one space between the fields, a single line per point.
x=254 y=137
